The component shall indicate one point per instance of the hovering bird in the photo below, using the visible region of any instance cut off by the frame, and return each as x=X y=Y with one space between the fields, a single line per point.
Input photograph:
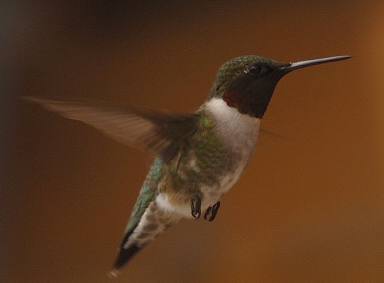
x=199 y=156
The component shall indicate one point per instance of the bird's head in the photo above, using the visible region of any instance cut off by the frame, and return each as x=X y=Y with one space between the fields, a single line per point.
x=247 y=82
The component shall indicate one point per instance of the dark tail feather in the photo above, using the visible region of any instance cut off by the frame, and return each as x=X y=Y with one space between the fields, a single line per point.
x=123 y=257
x=125 y=254
x=152 y=223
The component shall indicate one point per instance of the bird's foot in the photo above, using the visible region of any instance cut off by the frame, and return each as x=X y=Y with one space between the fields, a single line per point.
x=210 y=213
x=196 y=207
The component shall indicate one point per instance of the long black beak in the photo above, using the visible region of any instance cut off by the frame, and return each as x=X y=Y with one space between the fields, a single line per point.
x=302 y=64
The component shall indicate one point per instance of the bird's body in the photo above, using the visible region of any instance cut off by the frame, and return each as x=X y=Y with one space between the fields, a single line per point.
x=212 y=163
x=215 y=158
x=199 y=156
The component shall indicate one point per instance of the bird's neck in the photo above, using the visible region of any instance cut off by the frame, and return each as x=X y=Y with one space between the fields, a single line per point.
x=231 y=123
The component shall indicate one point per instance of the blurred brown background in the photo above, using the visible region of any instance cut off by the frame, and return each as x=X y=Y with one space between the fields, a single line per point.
x=310 y=207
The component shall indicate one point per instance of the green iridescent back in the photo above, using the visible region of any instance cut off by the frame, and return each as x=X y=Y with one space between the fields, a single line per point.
x=147 y=193
x=203 y=161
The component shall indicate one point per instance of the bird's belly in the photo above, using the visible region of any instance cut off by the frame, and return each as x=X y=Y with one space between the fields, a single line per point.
x=211 y=167
x=212 y=194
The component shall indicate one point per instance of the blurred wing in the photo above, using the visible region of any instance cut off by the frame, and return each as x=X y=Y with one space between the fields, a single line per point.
x=161 y=133
x=271 y=133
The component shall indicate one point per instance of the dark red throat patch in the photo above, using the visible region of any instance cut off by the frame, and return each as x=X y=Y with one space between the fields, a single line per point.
x=233 y=99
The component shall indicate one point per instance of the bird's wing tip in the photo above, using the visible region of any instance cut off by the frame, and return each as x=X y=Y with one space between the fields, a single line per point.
x=114 y=273
x=36 y=100
x=28 y=98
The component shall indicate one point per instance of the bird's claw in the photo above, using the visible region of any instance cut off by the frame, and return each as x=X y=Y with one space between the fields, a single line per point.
x=210 y=213
x=196 y=207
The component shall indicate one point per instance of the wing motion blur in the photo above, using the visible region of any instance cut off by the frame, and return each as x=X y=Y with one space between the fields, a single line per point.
x=161 y=133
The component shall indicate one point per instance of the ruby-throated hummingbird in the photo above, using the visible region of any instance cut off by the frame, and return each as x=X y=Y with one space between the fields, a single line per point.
x=199 y=156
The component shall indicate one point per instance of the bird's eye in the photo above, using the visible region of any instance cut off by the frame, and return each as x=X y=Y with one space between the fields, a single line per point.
x=257 y=70
x=254 y=70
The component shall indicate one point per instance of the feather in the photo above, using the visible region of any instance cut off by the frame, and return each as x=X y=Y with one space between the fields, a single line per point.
x=161 y=133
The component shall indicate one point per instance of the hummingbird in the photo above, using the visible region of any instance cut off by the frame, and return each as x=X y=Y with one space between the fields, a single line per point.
x=198 y=156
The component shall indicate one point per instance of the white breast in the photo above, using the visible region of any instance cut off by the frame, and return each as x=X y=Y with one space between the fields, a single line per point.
x=240 y=132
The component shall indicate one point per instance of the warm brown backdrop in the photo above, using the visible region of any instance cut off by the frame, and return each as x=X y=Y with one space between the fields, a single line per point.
x=310 y=207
